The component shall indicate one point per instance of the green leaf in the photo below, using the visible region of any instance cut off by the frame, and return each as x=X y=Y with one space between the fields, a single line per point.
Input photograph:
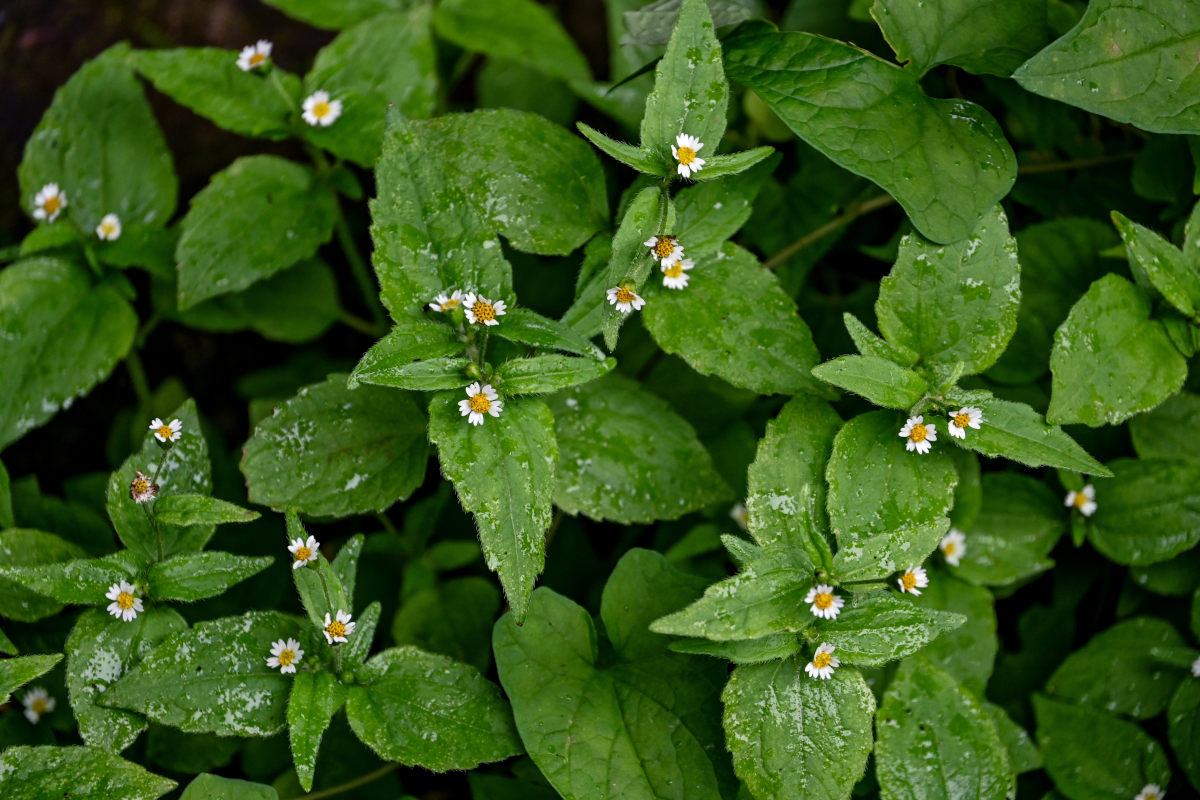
x=16 y=672
x=259 y=215
x=332 y=451
x=1022 y=752
x=208 y=81
x=63 y=335
x=967 y=653
x=100 y=143
x=214 y=787
x=359 y=646
x=1131 y=682
x=453 y=618
x=503 y=472
x=707 y=214
x=750 y=651
x=528 y=327
x=879 y=627
x=991 y=37
x=345 y=563
x=315 y=698
x=871 y=344
x=796 y=738
x=1166 y=431
x=82 y=581
x=1149 y=512
x=690 y=90
x=936 y=740
x=1111 y=360
x=520 y=30
x=640 y=158
x=1161 y=264
x=334 y=14
x=639 y=721
x=100 y=650
x=1124 y=60
x=80 y=773
x=1017 y=432
x=957 y=302
x=28 y=548
x=1020 y=522
x=199 y=509
x=320 y=587
x=734 y=321
x=630 y=260
x=651 y=24
x=1096 y=756
x=400 y=359
x=1183 y=729
x=878 y=380
x=731 y=164
x=6 y=506
x=625 y=455
x=544 y=374
x=213 y=678
x=426 y=710
x=387 y=61
x=945 y=161
x=196 y=576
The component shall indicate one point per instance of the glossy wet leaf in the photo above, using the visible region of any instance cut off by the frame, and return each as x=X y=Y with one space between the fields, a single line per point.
x=1018 y=525
x=199 y=509
x=640 y=158
x=1023 y=754
x=196 y=576
x=400 y=359
x=1183 y=729
x=548 y=373
x=81 y=581
x=528 y=327
x=81 y=773
x=214 y=787
x=16 y=672
x=520 y=30
x=1160 y=263
x=1149 y=512
x=314 y=699
x=878 y=380
x=1166 y=431
x=879 y=627
x=1017 y=432
x=24 y=549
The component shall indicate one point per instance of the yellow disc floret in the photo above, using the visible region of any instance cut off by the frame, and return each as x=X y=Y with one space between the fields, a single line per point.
x=822 y=601
x=480 y=403
x=288 y=656
x=918 y=433
x=821 y=660
x=909 y=581
x=125 y=601
x=664 y=246
x=686 y=155
x=303 y=554
x=335 y=629
x=624 y=296
x=484 y=312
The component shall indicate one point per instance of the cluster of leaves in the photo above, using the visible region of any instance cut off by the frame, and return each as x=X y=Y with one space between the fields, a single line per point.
x=688 y=683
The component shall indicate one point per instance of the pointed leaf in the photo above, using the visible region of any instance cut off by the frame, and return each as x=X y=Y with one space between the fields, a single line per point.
x=400 y=359
x=519 y=30
x=544 y=374
x=315 y=698
x=878 y=380
x=80 y=773
x=199 y=509
x=1017 y=432
x=196 y=576
x=1161 y=263
x=16 y=672
x=879 y=627
x=640 y=158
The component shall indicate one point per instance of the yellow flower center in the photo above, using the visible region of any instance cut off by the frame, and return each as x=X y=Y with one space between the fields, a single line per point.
x=108 y=228
x=38 y=706
x=257 y=59
x=125 y=601
x=453 y=302
x=962 y=420
x=950 y=548
x=918 y=433
x=335 y=629
x=141 y=486
x=1081 y=500
x=821 y=660
x=686 y=155
x=288 y=656
x=303 y=554
x=165 y=432
x=320 y=109
x=483 y=311
x=664 y=246
x=675 y=270
x=52 y=204
x=909 y=580
x=824 y=600
x=625 y=296
x=480 y=403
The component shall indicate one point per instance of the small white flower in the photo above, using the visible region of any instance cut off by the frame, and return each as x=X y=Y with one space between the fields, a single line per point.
x=166 y=431
x=1196 y=668
x=287 y=654
x=825 y=604
x=481 y=399
x=965 y=417
x=1084 y=500
x=124 y=604
x=38 y=703
x=109 y=228
x=740 y=515
x=447 y=302
x=49 y=202
x=1150 y=791
x=953 y=546
x=254 y=55
x=684 y=150
x=336 y=630
x=625 y=300
x=303 y=551
x=666 y=249
x=481 y=311
x=823 y=662
x=913 y=580
x=320 y=110
x=675 y=276
x=919 y=434
x=141 y=489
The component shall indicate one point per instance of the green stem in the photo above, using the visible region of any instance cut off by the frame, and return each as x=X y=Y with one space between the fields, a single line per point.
x=361 y=780
x=137 y=376
x=358 y=323
x=361 y=273
x=154 y=516
x=385 y=522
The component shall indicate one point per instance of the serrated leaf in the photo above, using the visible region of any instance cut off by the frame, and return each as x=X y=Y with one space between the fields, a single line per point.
x=879 y=380
x=528 y=327
x=544 y=374
x=81 y=773
x=879 y=627
x=16 y=672
x=23 y=549
x=345 y=563
x=199 y=509
x=1018 y=525
x=707 y=214
x=401 y=358
x=1017 y=432
x=359 y=646
x=871 y=344
x=651 y=24
x=333 y=451
x=1148 y=512
x=1183 y=729
x=82 y=581
x=630 y=261
x=314 y=699
x=196 y=576
x=721 y=166
x=1161 y=264
x=640 y=158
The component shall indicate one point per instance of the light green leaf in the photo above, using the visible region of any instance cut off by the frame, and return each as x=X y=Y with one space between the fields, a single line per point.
x=528 y=327
x=1149 y=512
x=1020 y=522
x=651 y=24
x=945 y=161
x=16 y=672
x=62 y=335
x=1023 y=754
x=1166 y=431
x=333 y=451
x=23 y=549
x=639 y=158
x=1111 y=360
x=101 y=649
x=879 y=627
x=936 y=740
x=398 y=359
x=1017 y=432
x=1126 y=59
x=360 y=643
x=195 y=576
x=199 y=509
x=431 y=375
x=877 y=555
x=213 y=678
x=870 y=343
x=82 y=581
x=320 y=587
x=625 y=455
x=408 y=695
x=1183 y=729
x=315 y=698
x=503 y=472
x=734 y=321
x=1161 y=264
x=544 y=374
x=880 y=381
x=214 y=787
x=716 y=167
x=796 y=738
x=259 y=215
x=387 y=61
x=7 y=646
x=520 y=30
x=749 y=651
x=81 y=773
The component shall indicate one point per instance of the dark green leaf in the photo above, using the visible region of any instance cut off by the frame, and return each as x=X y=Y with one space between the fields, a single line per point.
x=521 y=30
x=1149 y=512
x=334 y=14
x=544 y=374
x=16 y=672
x=749 y=651
x=199 y=509
x=80 y=773
x=1020 y=522
x=1017 y=432
x=529 y=327
x=27 y=548
x=214 y=787
x=967 y=653
x=453 y=618
x=1183 y=729
x=1023 y=754
x=195 y=576
x=1166 y=431
x=881 y=381
x=398 y=359
x=1161 y=264
x=315 y=698
x=879 y=627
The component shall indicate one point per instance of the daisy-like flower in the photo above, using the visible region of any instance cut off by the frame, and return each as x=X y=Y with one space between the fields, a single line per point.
x=166 y=431
x=254 y=55
x=481 y=311
x=124 y=604
x=913 y=580
x=666 y=249
x=965 y=417
x=1084 y=500
x=320 y=110
x=336 y=630
x=49 y=202
x=141 y=489
x=823 y=662
x=303 y=551
x=286 y=654
x=825 y=604
x=38 y=703
x=624 y=299
x=447 y=302
x=953 y=546
x=740 y=515
x=109 y=228
x=675 y=276
x=1196 y=668
x=919 y=434
x=481 y=399
x=685 y=150
x=1151 y=791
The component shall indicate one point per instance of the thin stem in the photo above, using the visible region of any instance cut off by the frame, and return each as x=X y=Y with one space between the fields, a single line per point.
x=361 y=780
x=137 y=376
x=1078 y=163
x=385 y=522
x=147 y=328
x=361 y=274
x=358 y=323
x=842 y=220
x=154 y=516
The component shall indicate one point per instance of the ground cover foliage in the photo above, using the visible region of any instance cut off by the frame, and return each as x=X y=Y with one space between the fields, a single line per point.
x=773 y=402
